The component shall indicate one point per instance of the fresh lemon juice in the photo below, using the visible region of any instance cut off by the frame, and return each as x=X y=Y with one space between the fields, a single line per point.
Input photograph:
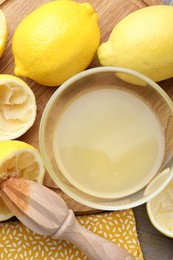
x=108 y=143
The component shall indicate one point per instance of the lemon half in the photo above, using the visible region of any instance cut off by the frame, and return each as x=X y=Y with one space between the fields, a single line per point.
x=17 y=107
x=160 y=211
x=3 y=32
x=18 y=159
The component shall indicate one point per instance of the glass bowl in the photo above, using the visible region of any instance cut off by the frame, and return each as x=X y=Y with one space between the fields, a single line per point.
x=124 y=79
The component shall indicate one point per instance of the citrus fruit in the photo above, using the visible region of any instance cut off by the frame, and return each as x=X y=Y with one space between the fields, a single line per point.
x=17 y=107
x=160 y=210
x=142 y=41
x=18 y=159
x=56 y=41
x=3 y=32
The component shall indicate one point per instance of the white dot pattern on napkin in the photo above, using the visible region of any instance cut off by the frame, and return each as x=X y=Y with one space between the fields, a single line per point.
x=18 y=242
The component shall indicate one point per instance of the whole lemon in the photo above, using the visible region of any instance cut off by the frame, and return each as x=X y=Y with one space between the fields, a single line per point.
x=142 y=41
x=56 y=41
x=3 y=32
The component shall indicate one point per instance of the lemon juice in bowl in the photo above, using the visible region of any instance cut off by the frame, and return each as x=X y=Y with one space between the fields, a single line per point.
x=108 y=142
x=105 y=134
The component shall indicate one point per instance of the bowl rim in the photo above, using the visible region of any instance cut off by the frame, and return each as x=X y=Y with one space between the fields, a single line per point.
x=58 y=91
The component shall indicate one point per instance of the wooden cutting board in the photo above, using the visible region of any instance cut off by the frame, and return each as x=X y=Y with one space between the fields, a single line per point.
x=109 y=12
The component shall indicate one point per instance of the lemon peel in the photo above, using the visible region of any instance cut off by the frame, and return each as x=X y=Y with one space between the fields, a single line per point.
x=3 y=32
x=142 y=41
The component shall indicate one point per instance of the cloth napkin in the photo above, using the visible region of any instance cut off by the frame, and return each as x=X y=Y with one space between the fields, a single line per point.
x=19 y=242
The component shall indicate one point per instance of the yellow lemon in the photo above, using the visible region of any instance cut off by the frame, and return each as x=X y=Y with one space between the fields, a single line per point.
x=3 y=32
x=56 y=41
x=17 y=107
x=160 y=211
x=18 y=159
x=142 y=41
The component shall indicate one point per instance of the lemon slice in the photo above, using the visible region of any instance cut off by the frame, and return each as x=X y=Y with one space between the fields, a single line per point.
x=160 y=210
x=17 y=107
x=3 y=32
x=19 y=159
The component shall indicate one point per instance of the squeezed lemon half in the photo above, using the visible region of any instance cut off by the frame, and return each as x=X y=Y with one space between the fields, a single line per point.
x=160 y=211
x=17 y=107
x=18 y=159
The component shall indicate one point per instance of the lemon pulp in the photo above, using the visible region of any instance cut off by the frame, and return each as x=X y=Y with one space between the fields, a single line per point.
x=17 y=107
x=160 y=210
x=18 y=159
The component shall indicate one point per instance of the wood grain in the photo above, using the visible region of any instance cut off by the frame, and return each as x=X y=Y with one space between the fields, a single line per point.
x=110 y=12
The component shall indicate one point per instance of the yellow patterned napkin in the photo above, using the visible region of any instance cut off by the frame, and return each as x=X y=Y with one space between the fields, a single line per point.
x=18 y=242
